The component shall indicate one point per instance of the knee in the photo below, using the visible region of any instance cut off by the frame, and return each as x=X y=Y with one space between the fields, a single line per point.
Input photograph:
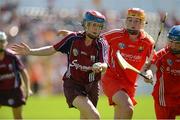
x=128 y=109
x=95 y=115
x=90 y=115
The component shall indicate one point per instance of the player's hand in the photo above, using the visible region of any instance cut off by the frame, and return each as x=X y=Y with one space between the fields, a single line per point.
x=149 y=75
x=63 y=33
x=21 y=49
x=97 y=67
x=28 y=92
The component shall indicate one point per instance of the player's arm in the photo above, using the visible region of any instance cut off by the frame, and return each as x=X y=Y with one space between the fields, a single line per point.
x=102 y=65
x=43 y=51
x=26 y=80
x=151 y=66
x=148 y=72
x=24 y=49
x=146 y=68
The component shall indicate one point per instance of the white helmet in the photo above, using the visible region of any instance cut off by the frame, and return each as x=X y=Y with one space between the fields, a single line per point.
x=3 y=36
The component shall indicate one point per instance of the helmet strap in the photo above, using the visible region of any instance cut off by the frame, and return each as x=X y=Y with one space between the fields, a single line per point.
x=84 y=24
x=91 y=36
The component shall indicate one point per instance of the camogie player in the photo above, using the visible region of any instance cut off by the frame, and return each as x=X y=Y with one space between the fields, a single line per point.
x=11 y=72
x=135 y=45
x=87 y=58
x=166 y=65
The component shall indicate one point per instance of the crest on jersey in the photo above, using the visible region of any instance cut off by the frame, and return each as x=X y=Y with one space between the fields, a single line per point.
x=75 y=52
x=169 y=62
x=122 y=45
x=93 y=58
x=141 y=48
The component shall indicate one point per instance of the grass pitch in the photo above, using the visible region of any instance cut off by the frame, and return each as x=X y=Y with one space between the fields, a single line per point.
x=55 y=107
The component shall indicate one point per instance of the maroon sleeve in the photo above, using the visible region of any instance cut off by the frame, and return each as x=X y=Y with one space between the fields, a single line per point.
x=103 y=50
x=65 y=44
x=19 y=63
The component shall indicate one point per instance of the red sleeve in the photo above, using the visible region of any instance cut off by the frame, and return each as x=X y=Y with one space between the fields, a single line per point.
x=113 y=34
x=157 y=57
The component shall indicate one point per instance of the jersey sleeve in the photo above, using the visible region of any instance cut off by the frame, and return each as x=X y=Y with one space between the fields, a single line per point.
x=65 y=44
x=157 y=56
x=151 y=42
x=103 y=51
x=19 y=65
x=111 y=35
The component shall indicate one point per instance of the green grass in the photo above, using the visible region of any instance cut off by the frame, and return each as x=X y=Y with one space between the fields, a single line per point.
x=55 y=107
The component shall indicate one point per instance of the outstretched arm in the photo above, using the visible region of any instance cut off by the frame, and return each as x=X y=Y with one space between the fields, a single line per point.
x=24 y=49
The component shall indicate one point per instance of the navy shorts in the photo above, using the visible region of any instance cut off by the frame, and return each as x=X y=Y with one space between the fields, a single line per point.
x=72 y=89
x=13 y=98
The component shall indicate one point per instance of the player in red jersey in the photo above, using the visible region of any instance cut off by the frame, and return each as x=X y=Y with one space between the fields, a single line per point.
x=11 y=72
x=166 y=65
x=87 y=58
x=135 y=46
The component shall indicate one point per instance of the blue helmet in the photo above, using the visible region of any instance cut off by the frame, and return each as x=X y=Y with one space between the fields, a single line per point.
x=174 y=33
x=94 y=16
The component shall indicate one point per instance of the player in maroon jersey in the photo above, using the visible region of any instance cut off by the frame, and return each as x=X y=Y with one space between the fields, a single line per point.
x=87 y=58
x=11 y=72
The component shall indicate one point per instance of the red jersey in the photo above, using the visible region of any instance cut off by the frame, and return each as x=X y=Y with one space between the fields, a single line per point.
x=166 y=90
x=82 y=57
x=10 y=68
x=134 y=52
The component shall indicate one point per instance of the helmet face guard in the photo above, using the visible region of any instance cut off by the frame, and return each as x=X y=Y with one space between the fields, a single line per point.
x=135 y=13
x=93 y=17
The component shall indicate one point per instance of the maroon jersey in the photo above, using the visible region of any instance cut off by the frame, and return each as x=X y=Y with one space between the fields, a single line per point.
x=82 y=57
x=10 y=67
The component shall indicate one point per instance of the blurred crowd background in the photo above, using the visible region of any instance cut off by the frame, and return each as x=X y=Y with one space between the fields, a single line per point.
x=36 y=23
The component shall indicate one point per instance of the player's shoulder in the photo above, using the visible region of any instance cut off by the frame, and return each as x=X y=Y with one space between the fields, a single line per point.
x=101 y=42
x=78 y=34
x=147 y=37
x=162 y=52
x=10 y=54
x=114 y=32
x=73 y=35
